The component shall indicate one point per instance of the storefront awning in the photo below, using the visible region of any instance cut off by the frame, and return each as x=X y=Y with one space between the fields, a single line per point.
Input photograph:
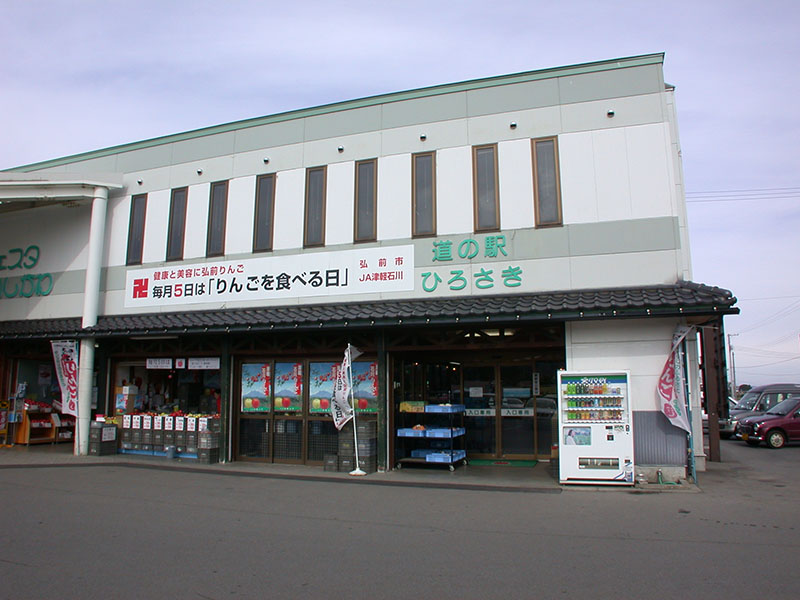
x=686 y=299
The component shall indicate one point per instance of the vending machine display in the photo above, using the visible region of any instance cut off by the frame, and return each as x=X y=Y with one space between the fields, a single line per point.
x=594 y=419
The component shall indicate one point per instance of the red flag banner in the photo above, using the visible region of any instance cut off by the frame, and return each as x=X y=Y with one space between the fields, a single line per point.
x=65 y=355
x=670 y=389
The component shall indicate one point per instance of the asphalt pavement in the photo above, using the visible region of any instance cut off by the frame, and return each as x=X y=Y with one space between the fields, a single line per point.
x=113 y=527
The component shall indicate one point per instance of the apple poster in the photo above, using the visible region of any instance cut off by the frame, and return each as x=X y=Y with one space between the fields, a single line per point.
x=256 y=387
x=320 y=385
x=365 y=386
x=288 y=387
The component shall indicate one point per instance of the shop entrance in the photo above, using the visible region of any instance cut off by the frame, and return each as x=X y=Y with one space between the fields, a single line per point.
x=507 y=416
x=510 y=404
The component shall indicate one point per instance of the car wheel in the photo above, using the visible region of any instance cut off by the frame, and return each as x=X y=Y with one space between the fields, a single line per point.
x=776 y=439
x=753 y=442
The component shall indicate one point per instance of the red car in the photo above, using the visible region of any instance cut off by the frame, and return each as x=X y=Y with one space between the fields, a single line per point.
x=779 y=425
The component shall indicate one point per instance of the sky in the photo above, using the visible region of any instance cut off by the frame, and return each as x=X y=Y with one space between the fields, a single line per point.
x=80 y=75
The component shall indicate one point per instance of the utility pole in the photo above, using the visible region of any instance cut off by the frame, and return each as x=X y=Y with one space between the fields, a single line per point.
x=733 y=365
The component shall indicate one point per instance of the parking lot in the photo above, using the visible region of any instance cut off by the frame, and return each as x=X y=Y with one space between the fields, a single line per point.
x=111 y=529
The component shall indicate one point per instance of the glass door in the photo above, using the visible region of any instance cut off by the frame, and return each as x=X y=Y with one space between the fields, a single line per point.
x=480 y=417
x=517 y=412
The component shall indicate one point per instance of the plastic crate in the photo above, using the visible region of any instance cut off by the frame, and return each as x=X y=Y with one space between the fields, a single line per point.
x=445 y=432
x=446 y=457
x=445 y=408
x=408 y=432
x=421 y=453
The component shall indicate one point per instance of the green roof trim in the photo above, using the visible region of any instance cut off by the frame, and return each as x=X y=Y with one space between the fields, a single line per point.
x=437 y=90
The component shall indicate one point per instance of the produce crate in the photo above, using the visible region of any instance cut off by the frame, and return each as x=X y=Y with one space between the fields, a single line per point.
x=422 y=452
x=208 y=439
x=368 y=447
x=331 y=462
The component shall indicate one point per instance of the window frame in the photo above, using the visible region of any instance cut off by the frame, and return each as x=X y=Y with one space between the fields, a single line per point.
x=414 y=157
x=475 y=199
x=357 y=204
x=141 y=228
x=536 y=194
x=212 y=224
x=309 y=171
x=172 y=256
x=273 y=178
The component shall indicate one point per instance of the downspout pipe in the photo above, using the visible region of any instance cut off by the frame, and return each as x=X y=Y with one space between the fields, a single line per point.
x=91 y=302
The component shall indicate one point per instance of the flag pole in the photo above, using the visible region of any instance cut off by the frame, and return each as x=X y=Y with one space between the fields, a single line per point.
x=357 y=471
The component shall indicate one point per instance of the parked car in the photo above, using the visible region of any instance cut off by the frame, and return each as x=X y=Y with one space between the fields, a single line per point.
x=725 y=425
x=759 y=400
x=780 y=424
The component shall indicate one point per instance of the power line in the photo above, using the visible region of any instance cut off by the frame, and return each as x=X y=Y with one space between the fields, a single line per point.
x=744 y=195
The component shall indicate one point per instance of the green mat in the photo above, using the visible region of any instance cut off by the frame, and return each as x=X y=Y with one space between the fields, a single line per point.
x=502 y=463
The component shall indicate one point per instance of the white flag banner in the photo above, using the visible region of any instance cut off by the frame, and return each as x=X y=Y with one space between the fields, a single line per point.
x=670 y=390
x=65 y=355
x=341 y=409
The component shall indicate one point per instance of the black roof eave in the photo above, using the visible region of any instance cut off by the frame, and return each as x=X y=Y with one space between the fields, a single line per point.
x=495 y=319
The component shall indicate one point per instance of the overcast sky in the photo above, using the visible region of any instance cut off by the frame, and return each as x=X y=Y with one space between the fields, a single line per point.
x=82 y=75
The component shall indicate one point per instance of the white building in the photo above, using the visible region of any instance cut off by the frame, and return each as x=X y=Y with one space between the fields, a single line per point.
x=471 y=239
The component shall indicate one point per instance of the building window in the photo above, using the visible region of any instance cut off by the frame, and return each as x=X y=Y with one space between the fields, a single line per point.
x=136 y=230
x=265 y=212
x=366 y=197
x=177 y=224
x=314 y=232
x=423 y=194
x=484 y=181
x=546 y=182
x=218 y=208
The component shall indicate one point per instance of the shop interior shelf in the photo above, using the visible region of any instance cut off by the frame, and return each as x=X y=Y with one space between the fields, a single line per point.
x=448 y=456
x=445 y=432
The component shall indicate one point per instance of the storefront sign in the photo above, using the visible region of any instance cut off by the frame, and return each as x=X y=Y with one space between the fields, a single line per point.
x=158 y=422
x=137 y=421
x=180 y=363
x=169 y=423
x=159 y=363
x=470 y=279
x=126 y=421
x=360 y=271
x=204 y=364
x=26 y=286
x=147 y=422
x=180 y=424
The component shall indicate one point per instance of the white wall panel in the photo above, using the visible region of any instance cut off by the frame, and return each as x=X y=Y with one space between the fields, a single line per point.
x=613 y=270
x=394 y=197
x=118 y=214
x=515 y=171
x=156 y=222
x=640 y=346
x=340 y=204
x=355 y=147
x=454 y=213
x=240 y=218
x=578 y=185
x=442 y=134
x=628 y=111
x=289 y=209
x=649 y=171
x=194 y=242
x=611 y=175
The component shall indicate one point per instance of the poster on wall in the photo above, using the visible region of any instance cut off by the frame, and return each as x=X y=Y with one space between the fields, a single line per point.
x=365 y=386
x=256 y=387
x=321 y=380
x=65 y=354
x=288 y=387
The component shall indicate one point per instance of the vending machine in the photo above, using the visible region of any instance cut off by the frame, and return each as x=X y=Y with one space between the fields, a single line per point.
x=595 y=429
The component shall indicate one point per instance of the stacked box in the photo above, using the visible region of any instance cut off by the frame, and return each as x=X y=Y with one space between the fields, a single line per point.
x=158 y=437
x=180 y=438
x=208 y=455
x=158 y=447
x=208 y=439
x=331 y=462
x=127 y=435
x=368 y=464
x=147 y=436
x=136 y=436
x=367 y=446
x=97 y=448
x=191 y=438
x=169 y=438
